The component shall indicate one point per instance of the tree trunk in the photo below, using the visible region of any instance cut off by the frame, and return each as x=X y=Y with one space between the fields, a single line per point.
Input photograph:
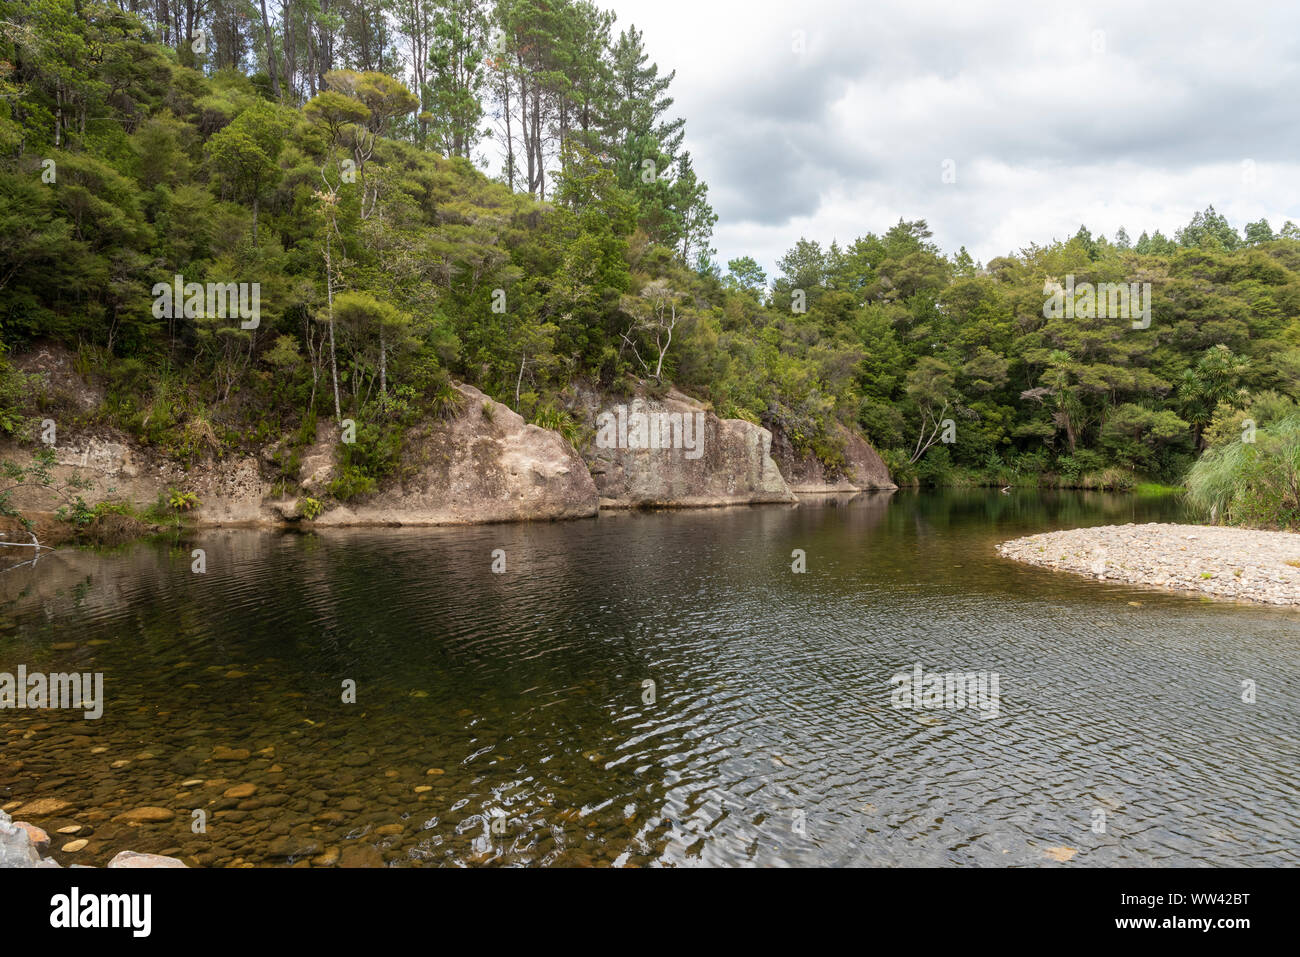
x=520 y=381
x=329 y=293
x=270 y=52
x=510 y=137
x=537 y=141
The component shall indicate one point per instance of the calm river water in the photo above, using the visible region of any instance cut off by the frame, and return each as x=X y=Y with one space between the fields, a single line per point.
x=509 y=718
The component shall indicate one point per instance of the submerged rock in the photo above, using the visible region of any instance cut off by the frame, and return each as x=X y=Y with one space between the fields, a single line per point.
x=146 y=815
x=361 y=855
x=43 y=807
x=329 y=858
x=292 y=845
x=223 y=753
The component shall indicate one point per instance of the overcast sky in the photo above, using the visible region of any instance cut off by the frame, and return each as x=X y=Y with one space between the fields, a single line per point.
x=1053 y=115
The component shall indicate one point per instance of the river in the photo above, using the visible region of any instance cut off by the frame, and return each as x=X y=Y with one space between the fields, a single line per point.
x=656 y=688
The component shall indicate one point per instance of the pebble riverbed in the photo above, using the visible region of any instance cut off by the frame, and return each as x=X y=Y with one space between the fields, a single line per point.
x=1238 y=564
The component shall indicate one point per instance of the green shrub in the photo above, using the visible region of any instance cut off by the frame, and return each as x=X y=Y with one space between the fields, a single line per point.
x=1111 y=479
x=829 y=450
x=362 y=464
x=1251 y=483
x=548 y=416
x=445 y=401
x=935 y=467
x=182 y=501
x=900 y=469
x=1074 y=466
x=13 y=387
x=351 y=482
x=78 y=513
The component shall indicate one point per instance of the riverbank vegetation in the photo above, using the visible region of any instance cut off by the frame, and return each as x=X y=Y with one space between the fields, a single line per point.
x=339 y=163
x=70 y=518
x=1253 y=482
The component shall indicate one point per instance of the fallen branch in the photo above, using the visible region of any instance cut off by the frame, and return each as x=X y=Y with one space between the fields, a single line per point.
x=35 y=543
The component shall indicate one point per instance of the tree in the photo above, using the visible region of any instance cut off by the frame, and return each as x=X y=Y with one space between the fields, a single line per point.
x=746 y=274
x=269 y=50
x=369 y=319
x=642 y=143
x=654 y=317
x=632 y=120
x=931 y=388
x=333 y=113
x=1135 y=434
x=803 y=267
x=1216 y=378
x=1208 y=229
x=1260 y=232
x=457 y=71
x=244 y=153
x=696 y=217
x=1060 y=382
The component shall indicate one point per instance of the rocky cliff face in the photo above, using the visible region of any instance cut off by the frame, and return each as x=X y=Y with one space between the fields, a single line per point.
x=864 y=469
x=117 y=468
x=232 y=491
x=674 y=452
x=484 y=465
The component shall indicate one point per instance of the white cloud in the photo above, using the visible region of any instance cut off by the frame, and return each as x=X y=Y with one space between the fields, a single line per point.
x=1056 y=115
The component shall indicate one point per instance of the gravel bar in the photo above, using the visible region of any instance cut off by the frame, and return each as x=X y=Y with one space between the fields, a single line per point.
x=1239 y=564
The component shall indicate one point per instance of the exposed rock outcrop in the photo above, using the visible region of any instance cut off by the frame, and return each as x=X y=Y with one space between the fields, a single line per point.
x=16 y=847
x=231 y=490
x=863 y=467
x=674 y=451
x=483 y=465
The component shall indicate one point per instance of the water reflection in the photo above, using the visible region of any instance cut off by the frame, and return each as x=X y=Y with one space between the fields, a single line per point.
x=506 y=718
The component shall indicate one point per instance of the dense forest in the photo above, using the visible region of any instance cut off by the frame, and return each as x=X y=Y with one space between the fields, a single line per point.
x=334 y=152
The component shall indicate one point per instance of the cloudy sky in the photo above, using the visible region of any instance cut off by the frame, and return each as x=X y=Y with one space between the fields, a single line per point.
x=832 y=118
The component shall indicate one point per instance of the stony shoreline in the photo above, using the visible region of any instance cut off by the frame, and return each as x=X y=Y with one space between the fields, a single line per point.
x=1236 y=564
x=26 y=845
